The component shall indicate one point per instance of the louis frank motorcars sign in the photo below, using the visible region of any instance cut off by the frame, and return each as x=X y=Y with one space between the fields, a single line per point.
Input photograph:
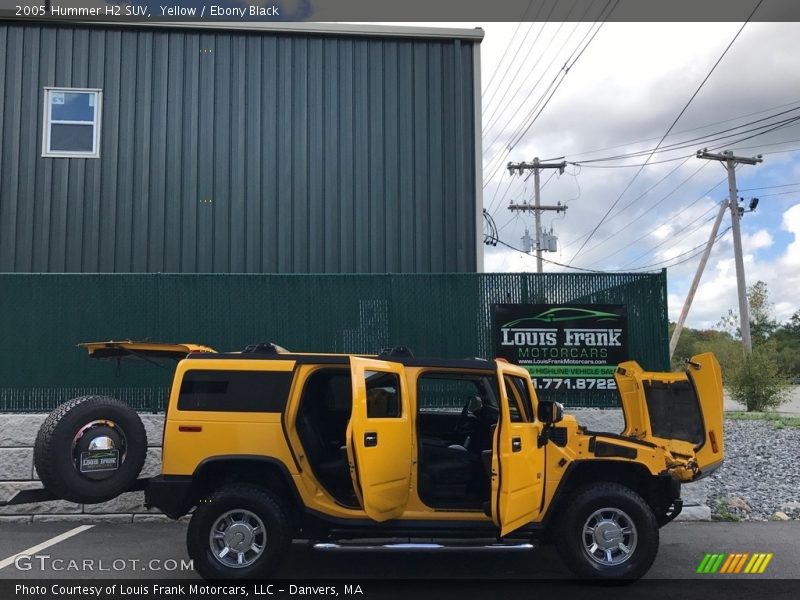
x=564 y=347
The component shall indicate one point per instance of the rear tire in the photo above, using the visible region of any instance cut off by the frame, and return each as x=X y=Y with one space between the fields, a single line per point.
x=90 y=426
x=607 y=531
x=240 y=532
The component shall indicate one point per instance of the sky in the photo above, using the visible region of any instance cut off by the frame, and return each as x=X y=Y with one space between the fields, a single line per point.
x=621 y=96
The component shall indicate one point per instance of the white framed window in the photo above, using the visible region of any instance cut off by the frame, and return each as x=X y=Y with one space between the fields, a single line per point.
x=72 y=122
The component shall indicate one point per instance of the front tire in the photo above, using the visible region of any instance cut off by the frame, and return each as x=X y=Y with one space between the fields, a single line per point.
x=240 y=532
x=607 y=532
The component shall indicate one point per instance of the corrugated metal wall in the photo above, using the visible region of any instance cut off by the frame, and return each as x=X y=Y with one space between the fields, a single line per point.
x=240 y=152
x=45 y=316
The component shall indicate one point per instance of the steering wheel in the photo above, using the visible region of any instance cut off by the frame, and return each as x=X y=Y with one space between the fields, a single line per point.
x=466 y=420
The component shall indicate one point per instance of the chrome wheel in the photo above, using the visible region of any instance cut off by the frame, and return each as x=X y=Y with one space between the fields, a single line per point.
x=609 y=537
x=99 y=440
x=238 y=538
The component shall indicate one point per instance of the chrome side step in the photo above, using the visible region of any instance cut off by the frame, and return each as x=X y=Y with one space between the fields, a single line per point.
x=421 y=546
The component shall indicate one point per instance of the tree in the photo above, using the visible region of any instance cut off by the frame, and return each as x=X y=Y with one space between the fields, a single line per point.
x=757 y=381
x=762 y=320
x=787 y=341
x=792 y=326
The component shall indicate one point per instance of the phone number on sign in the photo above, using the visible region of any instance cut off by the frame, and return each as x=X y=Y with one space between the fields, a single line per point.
x=554 y=383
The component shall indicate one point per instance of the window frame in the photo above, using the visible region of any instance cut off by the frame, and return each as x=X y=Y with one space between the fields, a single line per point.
x=398 y=396
x=47 y=123
x=444 y=373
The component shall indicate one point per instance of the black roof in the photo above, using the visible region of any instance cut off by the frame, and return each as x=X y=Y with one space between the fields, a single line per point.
x=344 y=359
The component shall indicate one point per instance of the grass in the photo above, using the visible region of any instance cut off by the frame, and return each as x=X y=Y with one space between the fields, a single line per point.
x=778 y=420
x=722 y=513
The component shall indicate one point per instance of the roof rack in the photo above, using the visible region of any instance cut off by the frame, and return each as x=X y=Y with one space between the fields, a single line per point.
x=263 y=348
x=397 y=351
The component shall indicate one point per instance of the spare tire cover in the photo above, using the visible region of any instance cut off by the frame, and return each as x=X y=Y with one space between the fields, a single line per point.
x=90 y=449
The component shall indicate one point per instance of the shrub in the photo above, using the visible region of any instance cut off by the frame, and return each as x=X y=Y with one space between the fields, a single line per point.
x=757 y=381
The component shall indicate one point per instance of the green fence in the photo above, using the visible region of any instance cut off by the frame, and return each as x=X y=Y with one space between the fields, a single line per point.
x=44 y=316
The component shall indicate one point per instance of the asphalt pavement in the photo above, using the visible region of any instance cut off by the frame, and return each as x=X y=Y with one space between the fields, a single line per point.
x=157 y=551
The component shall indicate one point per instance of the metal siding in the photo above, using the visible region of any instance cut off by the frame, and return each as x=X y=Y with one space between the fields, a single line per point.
x=360 y=192
x=346 y=163
x=9 y=196
x=234 y=151
x=252 y=163
x=405 y=109
x=330 y=149
x=436 y=197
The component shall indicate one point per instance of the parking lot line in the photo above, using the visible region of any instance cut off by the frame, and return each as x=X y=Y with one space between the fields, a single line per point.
x=46 y=544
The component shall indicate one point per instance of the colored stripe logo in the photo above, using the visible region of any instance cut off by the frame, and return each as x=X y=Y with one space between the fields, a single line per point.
x=734 y=563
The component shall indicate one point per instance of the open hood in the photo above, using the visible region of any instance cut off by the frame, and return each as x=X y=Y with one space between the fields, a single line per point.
x=681 y=412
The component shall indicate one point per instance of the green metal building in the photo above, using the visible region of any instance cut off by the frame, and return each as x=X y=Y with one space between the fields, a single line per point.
x=261 y=148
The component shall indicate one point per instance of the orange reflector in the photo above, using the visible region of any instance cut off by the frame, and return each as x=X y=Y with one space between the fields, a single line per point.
x=190 y=428
x=713 y=437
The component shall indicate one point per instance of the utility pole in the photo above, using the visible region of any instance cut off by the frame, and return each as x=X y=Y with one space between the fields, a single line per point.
x=536 y=166
x=673 y=342
x=729 y=161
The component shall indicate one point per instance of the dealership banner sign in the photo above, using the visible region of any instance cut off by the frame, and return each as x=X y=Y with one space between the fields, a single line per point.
x=570 y=347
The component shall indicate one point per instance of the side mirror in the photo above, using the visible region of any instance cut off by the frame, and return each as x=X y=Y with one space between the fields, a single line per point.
x=550 y=412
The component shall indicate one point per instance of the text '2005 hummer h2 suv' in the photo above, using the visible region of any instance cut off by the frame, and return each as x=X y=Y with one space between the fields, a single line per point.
x=266 y=446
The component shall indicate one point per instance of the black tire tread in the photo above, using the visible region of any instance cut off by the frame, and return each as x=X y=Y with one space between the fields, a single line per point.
x=44 y=445
x=282 y=536
x=586 y=494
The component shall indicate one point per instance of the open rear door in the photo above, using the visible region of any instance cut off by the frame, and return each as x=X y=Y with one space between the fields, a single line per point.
x=147 y=351
x=517 y=459
x=379 y=440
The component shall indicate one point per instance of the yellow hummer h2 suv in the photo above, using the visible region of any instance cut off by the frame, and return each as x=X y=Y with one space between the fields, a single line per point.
x=266 y=446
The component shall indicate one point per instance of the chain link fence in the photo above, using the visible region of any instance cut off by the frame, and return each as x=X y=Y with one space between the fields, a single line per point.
x=44 y=316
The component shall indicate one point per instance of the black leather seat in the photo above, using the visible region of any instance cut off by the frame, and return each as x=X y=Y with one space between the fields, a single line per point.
x=329 y=465
x=447 y=471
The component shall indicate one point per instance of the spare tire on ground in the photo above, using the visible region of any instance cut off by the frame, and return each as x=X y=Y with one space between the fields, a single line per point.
x=90 y=449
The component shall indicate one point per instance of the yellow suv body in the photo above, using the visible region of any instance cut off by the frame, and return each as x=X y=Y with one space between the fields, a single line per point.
x=330 y=447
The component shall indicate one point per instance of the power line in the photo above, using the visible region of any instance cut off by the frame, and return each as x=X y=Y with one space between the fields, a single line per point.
x=621 y=211
x=660 y=225
x=564 y=72
x=680 y=114
x=769 y=187
x=686 y=231
x=502 y=154
x=638 y=269
x=703 y=139
x=496 y=161
x=520 y=80
x=706 y=126
x=687 y=259
x=642 y=195
x=510 y=43
x=552 y=262
x=649 y=210
x=772 y=127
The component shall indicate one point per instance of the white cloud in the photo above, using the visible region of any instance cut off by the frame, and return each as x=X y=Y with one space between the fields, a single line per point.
x=622 y=95
x=760 y=239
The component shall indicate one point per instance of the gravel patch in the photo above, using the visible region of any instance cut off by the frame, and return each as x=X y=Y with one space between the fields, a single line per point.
x=760 y=478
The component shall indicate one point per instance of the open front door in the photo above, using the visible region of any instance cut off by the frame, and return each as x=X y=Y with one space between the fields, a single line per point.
x=517 y=459
x=379 y=440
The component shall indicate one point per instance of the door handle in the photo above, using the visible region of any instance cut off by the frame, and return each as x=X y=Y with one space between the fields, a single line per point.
x=370 y=439
x=516 y=444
